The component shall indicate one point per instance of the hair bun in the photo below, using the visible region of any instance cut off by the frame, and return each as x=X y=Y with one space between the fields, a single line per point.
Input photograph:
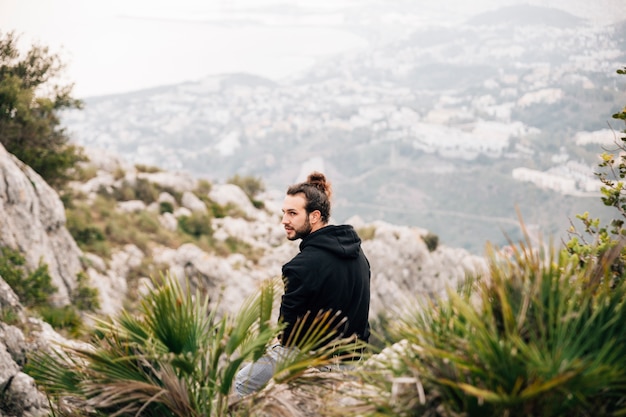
x=318 y=180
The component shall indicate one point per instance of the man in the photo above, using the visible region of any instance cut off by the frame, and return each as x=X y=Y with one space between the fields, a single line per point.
x=330 y=274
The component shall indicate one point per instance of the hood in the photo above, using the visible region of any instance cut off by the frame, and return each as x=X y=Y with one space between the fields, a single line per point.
x=340 y=240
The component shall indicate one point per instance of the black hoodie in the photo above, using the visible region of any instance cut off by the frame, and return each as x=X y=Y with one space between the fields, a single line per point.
x=331 y=273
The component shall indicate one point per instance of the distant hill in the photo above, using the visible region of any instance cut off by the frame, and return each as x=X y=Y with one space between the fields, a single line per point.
x=527 y=15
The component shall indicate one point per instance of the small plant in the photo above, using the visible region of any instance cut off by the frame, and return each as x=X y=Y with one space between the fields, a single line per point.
x=88 y=234
x=62 y=318
x=166 y=207
x=431 y=240
x=149 y=169
x=203 y=187
x=596 y=239
x=85 y=298
x=32 y=288
x=196 y=225
x=9 y=316
x=367 y=232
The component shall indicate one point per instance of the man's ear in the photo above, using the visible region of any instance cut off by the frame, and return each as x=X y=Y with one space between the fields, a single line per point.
x=316 y=216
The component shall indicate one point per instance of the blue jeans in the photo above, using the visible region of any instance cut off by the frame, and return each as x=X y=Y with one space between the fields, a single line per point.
x=253 y=376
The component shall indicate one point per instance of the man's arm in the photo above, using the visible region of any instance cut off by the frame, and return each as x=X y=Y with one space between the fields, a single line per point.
x=293 y=305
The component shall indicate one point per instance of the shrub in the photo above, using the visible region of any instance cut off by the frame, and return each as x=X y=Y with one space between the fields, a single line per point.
x=84 y=228
x=203 y=187
x=143 y=190
x=540 y=336
x=596 y=240
x=62 y=318
x=149 y=169
x=146 y=191
x=32 y=288
x=29 y=111
x=9 y=316
x=166 y=207
x=174 y=358
x=85 y=298
x=367 y=232
x=196 y=225
x=431 y=240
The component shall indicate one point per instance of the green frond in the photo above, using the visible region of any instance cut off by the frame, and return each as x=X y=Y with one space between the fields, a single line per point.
x=540 y=335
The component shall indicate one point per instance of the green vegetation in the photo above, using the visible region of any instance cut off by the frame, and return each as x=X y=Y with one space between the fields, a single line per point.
x=367 y=232
x=166 y=207
x=196 y=225
x=142 y=189
x=98 y=227
x=598 y=239
x=175 y=358
x=147 y=168
x=29 y=111
x=541 y=336
x=431 y=240
x=34 y=289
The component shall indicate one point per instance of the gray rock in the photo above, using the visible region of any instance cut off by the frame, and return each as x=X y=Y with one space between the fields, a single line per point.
x=32 y=220
x=177 y=181
x=193 y=203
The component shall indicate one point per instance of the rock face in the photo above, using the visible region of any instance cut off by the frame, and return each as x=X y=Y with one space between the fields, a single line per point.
x=19 y=396
x=32 y=220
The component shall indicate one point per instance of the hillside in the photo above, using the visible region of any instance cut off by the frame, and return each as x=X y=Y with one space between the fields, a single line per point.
x=121 y=226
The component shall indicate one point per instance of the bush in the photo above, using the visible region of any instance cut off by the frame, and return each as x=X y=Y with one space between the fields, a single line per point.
x=166 y=207
x=541 y=336
x=62 y=318
x=29 y=123
x=32 y=288
x=598 y=240
x=143 y=190
x=149 y=169
x=432 y=241
x=85 y=230
x=196 y=225
x=367 y=232
x=85 y=298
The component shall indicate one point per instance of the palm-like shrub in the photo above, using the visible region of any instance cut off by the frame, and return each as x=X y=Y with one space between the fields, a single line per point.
x=541 y=336
x=175 y=358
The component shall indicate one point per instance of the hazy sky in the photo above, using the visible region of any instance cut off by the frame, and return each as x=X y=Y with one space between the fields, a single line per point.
x=117 y=46
x=122 y=45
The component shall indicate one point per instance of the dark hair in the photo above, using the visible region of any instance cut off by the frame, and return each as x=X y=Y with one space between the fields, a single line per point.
x=317 y=193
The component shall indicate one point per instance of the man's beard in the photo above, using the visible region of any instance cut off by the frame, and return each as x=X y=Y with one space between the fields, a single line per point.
x=302 y=232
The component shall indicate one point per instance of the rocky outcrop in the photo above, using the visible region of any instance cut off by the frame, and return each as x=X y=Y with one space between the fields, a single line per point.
x=19 y=397
x=32 y=220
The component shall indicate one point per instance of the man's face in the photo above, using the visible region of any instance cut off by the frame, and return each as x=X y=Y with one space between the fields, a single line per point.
x=295 y=218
